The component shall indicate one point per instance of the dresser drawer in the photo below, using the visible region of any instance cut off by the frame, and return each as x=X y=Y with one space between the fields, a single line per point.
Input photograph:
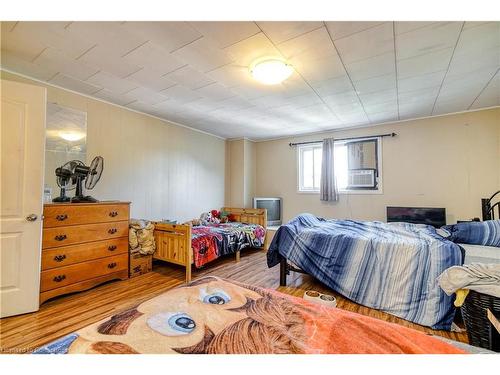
x=65 y=214
x=62 y=236
x=62 y=276
x=66 y=255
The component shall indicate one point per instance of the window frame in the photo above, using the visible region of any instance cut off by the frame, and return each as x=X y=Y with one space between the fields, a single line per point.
x=359 y=191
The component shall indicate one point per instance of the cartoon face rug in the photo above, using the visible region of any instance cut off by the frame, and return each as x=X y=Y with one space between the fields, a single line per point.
x=215 y=316
x=209 y=315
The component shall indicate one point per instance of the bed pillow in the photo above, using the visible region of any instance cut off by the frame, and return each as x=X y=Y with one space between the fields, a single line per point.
x=475 y=232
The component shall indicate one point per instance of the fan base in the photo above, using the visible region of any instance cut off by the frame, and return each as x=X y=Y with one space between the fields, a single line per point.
x=83 y=199
x=61 y=199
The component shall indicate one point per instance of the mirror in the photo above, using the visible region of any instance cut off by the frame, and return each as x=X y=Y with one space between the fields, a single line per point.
x=66 y=136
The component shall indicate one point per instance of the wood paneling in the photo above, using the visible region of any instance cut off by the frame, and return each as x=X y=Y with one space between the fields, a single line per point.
x=66 y=314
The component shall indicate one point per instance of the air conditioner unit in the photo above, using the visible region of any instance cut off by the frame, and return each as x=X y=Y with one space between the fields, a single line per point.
x=361 y=178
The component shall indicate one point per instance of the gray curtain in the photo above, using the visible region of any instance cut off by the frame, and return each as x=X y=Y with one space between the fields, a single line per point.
x=328 y=186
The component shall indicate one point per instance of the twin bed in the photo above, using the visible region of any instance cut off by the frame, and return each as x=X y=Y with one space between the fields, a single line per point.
x=392 y=267
x=188 y=245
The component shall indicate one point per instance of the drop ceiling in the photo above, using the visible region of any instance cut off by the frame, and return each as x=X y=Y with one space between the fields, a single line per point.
x=346 y=74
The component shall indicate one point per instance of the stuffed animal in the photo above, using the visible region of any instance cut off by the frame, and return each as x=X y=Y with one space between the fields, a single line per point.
x=207 y=218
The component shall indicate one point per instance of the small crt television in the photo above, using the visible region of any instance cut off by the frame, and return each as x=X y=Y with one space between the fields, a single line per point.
x=273 y=207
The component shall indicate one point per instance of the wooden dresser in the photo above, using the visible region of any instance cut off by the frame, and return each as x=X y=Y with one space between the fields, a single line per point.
x=83 y=245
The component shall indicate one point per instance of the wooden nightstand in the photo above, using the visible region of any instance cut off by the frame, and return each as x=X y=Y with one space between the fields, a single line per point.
x=270 y=232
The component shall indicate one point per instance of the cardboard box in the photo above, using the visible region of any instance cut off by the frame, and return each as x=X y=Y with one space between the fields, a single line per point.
x=140 y=264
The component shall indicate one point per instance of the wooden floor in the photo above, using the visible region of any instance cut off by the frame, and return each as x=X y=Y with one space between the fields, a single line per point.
x=66 y=314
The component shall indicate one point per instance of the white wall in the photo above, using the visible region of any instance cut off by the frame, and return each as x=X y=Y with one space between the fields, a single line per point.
x=241 y=184
x=450 y=161
x=166 y=171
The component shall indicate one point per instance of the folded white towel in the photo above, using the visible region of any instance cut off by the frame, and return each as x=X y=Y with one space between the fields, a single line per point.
x=483 y=278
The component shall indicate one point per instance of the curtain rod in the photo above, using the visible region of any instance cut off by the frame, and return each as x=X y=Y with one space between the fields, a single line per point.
x=345 y=139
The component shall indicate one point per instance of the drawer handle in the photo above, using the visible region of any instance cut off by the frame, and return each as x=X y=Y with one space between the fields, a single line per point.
x=59 y=258
x=113 y=213
x=112 y=265
x=112 y=248
x=61 y=217
x=112 y=231
x=59 y=278
x=60 y=237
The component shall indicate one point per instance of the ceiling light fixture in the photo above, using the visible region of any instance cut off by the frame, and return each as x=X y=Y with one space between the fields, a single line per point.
x=271 y=72
x=71 y=136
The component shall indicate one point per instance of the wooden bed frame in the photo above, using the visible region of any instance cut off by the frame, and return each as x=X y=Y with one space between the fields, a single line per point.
x=173 y=241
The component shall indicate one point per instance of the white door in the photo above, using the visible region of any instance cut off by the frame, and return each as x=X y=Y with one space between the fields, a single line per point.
x=22 y=113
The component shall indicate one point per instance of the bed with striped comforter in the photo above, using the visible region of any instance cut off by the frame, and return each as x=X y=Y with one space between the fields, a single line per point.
x=391 y=267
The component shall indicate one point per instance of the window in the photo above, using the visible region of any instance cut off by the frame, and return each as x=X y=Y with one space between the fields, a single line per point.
x=357 y=166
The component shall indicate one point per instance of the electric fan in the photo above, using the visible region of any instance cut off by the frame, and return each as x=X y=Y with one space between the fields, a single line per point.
x=91 y=176
x=65 y=179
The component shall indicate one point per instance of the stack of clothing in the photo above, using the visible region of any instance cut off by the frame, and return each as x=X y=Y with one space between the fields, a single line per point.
x=141 y=237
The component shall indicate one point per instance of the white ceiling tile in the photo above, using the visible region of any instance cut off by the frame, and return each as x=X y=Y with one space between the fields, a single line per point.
x=231 y=75
x=168 y=35
x=150 y=79
x=147 y=96
x=227 y=101
x=406 y=26
x=170 y=106
x=53 y=34
x=344 y=103
x=111 y=35
x=112 y=97
x=421 y=81
x=251 y=49
x=490 y=96
x=353 y=118
x=106 y=59
x=372 y=67
x=281 y=31
x=432 y=38
x=465 y=64
x=342 y=29
x=189 y=77
x=215 y=91
x=332 y=86
x=181 y=94
x=384 y=82
x=452 y=105
x=424 y=64
x=74 y=84
x=226 y=33
x=414 y=97
x=474 y=41
x=12 y=62
x=150 y=55
x=369 y=43
x=26 y=48
x=140 y=106
x=59 y=61
x=313 y=55
x=203 y=55
x=383 y=117
x=415 y=110
x=375 y=98
x=111 y=83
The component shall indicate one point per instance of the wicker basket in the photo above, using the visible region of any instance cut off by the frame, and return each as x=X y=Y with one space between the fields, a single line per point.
x=479 y=329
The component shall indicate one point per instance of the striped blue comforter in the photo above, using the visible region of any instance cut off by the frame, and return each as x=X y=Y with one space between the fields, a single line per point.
x=391 y=267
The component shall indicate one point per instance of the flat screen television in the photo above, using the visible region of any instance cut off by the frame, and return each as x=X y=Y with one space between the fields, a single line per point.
x=417 y=215
x=274 y=209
